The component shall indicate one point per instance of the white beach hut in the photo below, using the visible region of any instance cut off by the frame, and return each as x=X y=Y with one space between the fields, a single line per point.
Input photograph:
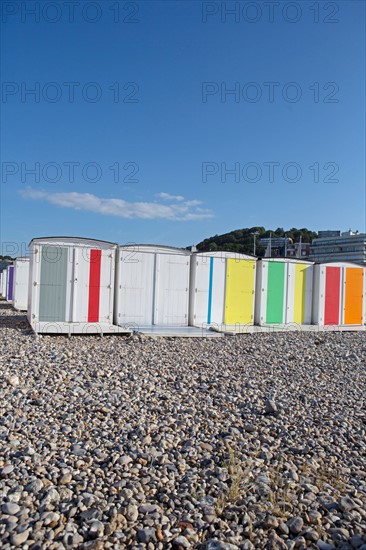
x=2 y=275
x=71 y=285
x=21 y=283
x=339 y=294
x=284 y=292
x=152 y=286
x=222 y=289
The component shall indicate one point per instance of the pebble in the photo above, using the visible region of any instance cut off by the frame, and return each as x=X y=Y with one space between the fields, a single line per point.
x=152 y=443
x=295 y=525
x=346 y=504
x=213 y=544
x=324 y=545
x=72 y=539
x=65 y=479
x=13 y=380
x=270 y=407
x=51 y=519
x=312 y=535
x=356 y=541
x=182 y=542
x=146 y=535
x=250 y=428
x=17 y=539
x=132 y=512
x=96 y=529
x=6 y=470
x=10 y=508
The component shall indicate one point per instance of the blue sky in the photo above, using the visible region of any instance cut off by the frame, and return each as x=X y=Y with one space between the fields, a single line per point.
x=131 y=136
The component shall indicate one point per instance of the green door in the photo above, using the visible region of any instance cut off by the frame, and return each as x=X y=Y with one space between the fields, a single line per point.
x=52 y=292
x=275 y=292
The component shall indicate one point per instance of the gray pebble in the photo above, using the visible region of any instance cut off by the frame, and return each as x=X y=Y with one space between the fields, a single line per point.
x=295 y=525
x=10 y=508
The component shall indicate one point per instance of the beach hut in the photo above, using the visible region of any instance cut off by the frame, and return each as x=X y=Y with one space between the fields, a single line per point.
x=339 y=294
x=222 y=289
x=4 y=279
x=4 y=282
x=9 y=282
x=21 y=283
x=152 y=286
x=71 y=285
x=284 y=291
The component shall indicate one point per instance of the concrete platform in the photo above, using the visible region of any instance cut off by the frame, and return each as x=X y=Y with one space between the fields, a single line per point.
x=292 y=327
x=179 y=332
x=78 y=328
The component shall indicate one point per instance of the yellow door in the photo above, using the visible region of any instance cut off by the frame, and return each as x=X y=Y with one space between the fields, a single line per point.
x=239 y=293
x=354 y=296
x=300 y=292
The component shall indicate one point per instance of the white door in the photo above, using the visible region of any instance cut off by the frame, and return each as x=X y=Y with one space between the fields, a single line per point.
x=171 y=289
x=20 y=298
x=201 y=290
x=135 y=288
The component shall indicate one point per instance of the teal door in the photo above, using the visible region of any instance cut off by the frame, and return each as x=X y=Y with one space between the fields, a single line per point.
x=52 y=293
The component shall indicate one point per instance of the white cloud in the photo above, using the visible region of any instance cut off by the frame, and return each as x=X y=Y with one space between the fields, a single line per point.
x=184 y=211
x=168 y=197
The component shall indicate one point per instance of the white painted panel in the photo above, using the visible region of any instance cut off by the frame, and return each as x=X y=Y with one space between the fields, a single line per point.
x=4 y=282
x=260 y=283
x=72 y=286
x=21 y=280
x=80 y=277
x=286 y=293
x=34 y=280
x=322 y=288
x=308 y=294
x=135 y=288
x=171 y=289
x=261 y=293
x=107 y=268
x=316 y=296
x=342 y=301
x=200 y=288
x=218 y=291
x=289 y=299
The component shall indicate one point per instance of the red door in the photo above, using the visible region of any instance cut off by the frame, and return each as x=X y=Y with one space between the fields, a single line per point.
x=332 y=295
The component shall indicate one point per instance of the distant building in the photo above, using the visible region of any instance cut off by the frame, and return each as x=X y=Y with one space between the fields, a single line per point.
x=281 y=247
x=298 y=250
x=334 y=246
x=325 y=234
x=275 y=246
x=276 y=242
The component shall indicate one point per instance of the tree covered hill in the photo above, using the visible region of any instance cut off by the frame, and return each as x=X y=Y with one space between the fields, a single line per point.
x=241 y=240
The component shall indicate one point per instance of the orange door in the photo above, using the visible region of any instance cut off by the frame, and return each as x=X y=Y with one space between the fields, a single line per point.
x=354 y=296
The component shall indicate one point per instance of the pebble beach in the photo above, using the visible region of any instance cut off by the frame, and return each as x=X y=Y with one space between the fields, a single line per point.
x=247 y=442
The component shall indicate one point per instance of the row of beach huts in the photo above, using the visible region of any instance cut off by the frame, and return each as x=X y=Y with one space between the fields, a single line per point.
x=76 y=285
